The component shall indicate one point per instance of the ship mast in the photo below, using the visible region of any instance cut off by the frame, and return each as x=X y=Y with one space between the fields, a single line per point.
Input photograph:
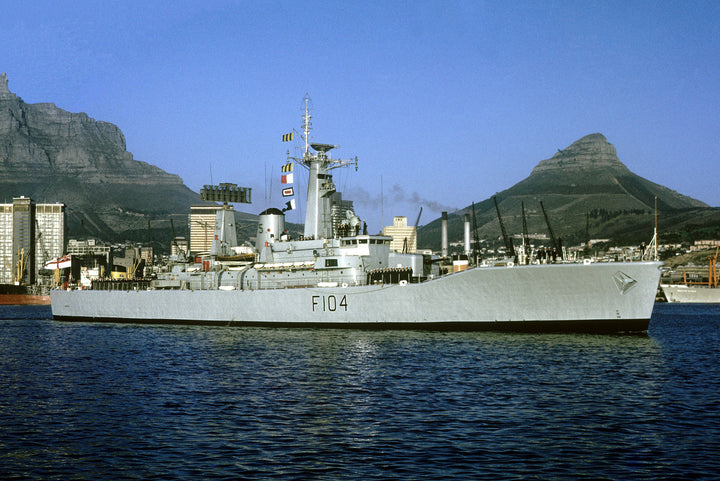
x=318 y=220
x=307 y=125
x=653 y=243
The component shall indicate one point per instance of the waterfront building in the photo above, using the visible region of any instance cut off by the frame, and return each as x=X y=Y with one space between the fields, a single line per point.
x=147 y=254
x=89 y=247
x=404 y=236
x=50 y=233
x=30 y=235
x=201 y=222
x=705 y=244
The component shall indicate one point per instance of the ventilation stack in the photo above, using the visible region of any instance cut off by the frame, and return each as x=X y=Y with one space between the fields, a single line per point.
x=468 y=248
x=444 y=235
x=271 y=225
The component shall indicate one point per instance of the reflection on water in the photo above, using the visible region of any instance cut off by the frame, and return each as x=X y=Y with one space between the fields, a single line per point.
x=96 y=401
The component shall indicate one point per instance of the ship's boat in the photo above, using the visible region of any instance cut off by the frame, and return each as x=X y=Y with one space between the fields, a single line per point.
x=335 y=275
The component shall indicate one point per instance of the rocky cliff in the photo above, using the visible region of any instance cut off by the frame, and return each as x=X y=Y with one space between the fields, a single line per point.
x=53 y=155
x=591 y=152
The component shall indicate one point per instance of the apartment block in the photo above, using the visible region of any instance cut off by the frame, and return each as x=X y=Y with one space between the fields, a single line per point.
x=404 y=236
x=201 y=223
x=30 y=235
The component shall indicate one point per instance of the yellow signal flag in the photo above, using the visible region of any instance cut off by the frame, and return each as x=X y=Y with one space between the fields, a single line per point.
x=287 y=167
x=288 y=137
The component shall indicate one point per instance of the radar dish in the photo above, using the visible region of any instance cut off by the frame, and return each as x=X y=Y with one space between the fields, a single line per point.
x=322 y=147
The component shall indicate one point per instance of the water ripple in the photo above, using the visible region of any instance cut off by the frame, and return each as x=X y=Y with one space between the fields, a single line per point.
x=94 y=401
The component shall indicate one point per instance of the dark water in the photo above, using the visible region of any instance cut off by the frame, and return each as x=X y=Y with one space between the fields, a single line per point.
x=94 y=401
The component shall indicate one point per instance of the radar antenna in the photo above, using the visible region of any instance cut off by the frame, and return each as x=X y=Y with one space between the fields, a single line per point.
x=226 y=192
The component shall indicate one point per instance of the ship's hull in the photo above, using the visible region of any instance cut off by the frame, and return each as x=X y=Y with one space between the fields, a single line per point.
x=17 y=295
x=24 y=300
x=596 y=297
x=681 y=293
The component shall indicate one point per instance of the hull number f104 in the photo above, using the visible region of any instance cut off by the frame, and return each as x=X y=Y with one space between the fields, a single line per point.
x=329 y=303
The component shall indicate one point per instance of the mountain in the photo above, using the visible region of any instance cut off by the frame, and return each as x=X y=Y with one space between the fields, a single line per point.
x=51 y=155
x=585 y=191
x=590 y=169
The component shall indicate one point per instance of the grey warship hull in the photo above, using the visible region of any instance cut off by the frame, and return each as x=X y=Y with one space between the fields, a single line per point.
x=597 y=297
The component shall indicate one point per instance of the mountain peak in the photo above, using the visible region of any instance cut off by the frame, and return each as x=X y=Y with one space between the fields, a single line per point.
x=591 y=151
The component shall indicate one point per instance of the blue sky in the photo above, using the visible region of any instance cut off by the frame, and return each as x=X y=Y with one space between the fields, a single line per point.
x=444 y=103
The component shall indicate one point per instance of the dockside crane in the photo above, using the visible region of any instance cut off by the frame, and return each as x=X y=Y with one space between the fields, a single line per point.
x=526 y=242
x=556 y=245
x=508 y=240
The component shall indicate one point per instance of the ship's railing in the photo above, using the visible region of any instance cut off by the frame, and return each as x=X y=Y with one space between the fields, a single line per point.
x=120 y=284
x=392 y=275
x=265 y=283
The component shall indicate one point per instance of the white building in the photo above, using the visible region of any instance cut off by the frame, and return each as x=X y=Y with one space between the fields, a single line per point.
x=49 y=233
x=201 y=223
x=30 y=235
x=404 y=236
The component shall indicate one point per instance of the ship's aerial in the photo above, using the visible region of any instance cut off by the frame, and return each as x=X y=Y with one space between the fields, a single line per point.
x=336 y=275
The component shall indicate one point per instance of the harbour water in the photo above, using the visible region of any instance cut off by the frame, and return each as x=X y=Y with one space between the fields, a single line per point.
x=113 y=401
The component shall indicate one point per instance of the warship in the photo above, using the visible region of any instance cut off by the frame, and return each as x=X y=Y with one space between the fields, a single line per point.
x=336 y=275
